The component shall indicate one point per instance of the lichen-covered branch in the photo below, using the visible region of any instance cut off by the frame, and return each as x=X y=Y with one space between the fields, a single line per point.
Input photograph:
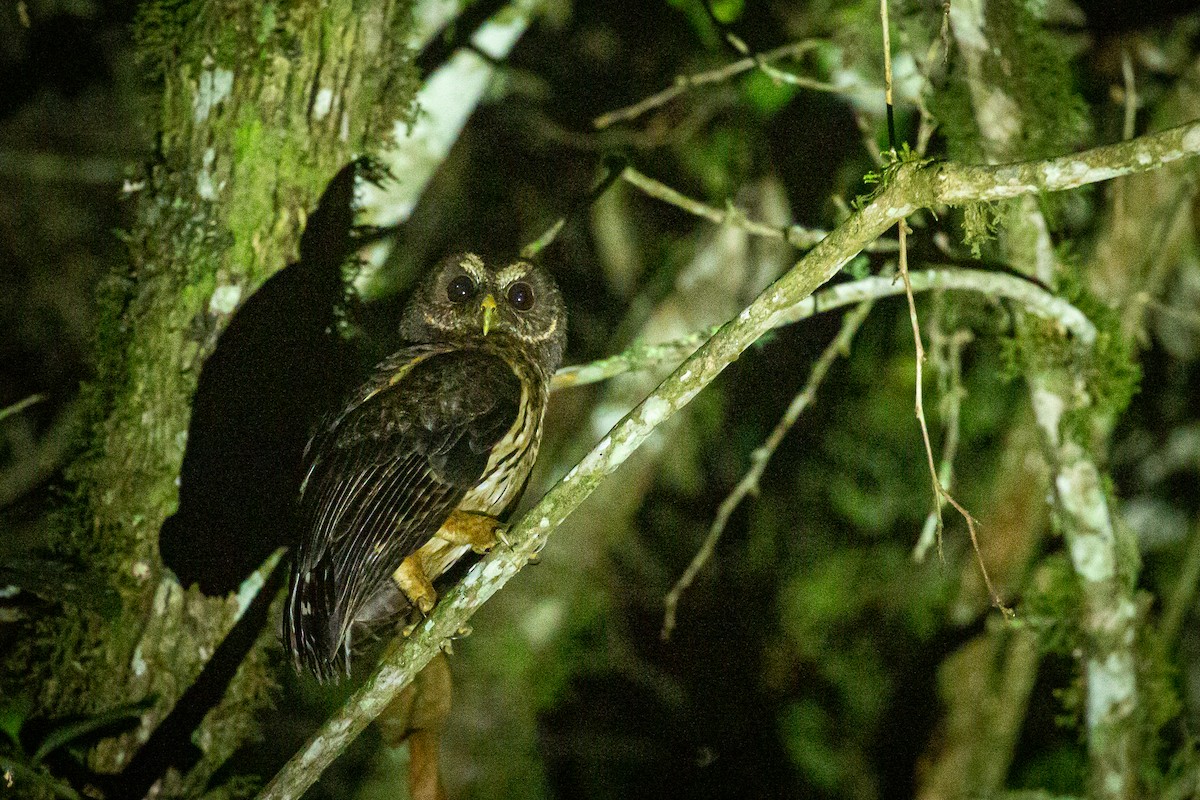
x=1014 y=117
x=1065 y=403
x=1109 y=616
x=993 y=284
x=958 y=183
x=911 y=187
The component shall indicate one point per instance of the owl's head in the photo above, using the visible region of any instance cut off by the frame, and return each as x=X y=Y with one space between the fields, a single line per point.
x=464 y=299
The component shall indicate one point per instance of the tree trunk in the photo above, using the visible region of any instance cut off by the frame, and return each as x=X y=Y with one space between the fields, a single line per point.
x=262 y=103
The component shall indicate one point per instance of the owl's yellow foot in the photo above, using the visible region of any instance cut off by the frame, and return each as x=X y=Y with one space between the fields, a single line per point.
x=480 y=531
x=415 y=584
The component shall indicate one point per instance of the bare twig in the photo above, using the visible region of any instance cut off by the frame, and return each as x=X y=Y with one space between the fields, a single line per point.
x=1105 y=571
x=545 y=240
x=685 y=83
x=638 y=357
x=940 y=493
x=759 y=458
x=797 y=236
x=944 y=33
x=1155 y=266
x=613 y=169
x=20 y=405
x=1189 y=318
x=887 y=82
x=947 y=351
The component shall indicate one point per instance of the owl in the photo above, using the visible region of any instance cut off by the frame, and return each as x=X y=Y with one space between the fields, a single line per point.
x=427 y=458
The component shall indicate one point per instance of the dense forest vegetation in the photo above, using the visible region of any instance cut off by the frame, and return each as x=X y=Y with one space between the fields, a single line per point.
x=873 y=472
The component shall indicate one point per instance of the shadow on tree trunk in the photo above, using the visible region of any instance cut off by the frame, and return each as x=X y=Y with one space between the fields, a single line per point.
x=274 y=372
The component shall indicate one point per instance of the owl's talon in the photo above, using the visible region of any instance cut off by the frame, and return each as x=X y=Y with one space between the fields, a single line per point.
x=410 y=577
x=480 y=531
x=501 y=537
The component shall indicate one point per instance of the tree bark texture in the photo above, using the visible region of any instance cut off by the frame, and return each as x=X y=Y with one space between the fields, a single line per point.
x=261 y=104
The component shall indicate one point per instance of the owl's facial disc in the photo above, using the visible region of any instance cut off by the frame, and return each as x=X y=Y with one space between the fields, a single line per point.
x=465 y=299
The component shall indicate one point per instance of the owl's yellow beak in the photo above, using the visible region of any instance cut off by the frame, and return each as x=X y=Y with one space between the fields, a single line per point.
x=489 y=308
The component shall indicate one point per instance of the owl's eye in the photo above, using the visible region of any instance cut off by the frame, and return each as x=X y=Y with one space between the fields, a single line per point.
x=460 y=289
x=520 y=296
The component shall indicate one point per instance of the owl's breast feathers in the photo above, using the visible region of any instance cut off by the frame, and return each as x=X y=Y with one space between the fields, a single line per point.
x=438 y=427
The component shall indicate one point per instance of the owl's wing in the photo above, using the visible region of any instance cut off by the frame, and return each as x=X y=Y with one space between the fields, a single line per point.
x=383 y=478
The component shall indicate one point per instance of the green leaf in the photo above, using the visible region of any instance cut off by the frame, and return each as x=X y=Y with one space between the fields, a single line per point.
x=13 y=714
x=728 y=11
x=766 y=95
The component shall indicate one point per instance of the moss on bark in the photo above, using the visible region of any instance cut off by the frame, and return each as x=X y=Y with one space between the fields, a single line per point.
x=261 y=104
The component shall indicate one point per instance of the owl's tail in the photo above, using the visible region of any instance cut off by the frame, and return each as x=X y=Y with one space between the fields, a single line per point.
x=312 y=627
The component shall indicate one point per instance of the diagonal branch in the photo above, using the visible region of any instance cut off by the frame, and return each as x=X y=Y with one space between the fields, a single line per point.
x=911 y=186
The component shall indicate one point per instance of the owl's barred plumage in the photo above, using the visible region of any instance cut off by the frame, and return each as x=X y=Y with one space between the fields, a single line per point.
x=449 y=424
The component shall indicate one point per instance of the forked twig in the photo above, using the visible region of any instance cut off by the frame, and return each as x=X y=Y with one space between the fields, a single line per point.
x=940 y=492
x=797 y=236
x=684 y=83
x=949 y=365
x=759 y=458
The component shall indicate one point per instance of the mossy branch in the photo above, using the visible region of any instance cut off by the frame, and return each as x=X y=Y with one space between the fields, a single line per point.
x=910 y=187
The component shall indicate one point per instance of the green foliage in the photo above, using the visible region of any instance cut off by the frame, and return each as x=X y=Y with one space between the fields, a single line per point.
x=979 y=224
x=159 y=29
x=1053 y=607
x=858 y=267
x=872 y=478
x=892 y=162
x=765 y=95
x=1056 y=770
x=720 y=161
x=846 y=588
x=847 y=614
x=810 y=732
x=1108 y=370
x=1112 y=372
x=701 y=24
x=1030 y=66
x=727 y=11
x=1160 y=702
